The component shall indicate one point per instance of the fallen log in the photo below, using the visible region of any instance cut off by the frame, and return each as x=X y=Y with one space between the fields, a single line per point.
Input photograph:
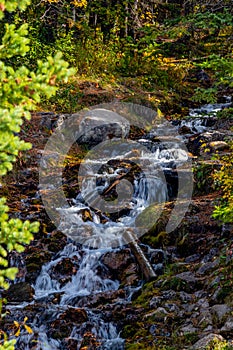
x=143 y=262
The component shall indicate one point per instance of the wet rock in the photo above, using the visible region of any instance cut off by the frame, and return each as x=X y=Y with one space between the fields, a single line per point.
x=35 y=259
x=197 y=144
x=100 y=299
x=130 y=275
x=184 y=130
x=202 y=343
x=122 y=266
x=158 y=269
x=157 y=256
x=117 y=260
x=56 y=241
x=74 y=315
x=60 y=329
x=19 y=292
x=70 y=344
x=64 y=269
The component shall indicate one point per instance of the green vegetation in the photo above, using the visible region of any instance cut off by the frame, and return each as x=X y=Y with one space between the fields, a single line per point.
x=21 y=89
x=224 y=179
x=154 y=52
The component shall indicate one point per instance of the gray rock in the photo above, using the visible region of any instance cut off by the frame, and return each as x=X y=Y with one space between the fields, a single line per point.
x=203 y=303
x=228 y=326
x=207 y=267
x=203 y=342
x=189 y=328
x=200 y=294
x=185 y=297
x=101 y=124
x=189 y=283
x=219 y=311
x=187 y=277
x=188 y=308
x=205 y=318
x=171 y=307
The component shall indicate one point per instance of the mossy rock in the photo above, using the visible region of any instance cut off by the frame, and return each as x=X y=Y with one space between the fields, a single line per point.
x=146 y=293
x=154 y=220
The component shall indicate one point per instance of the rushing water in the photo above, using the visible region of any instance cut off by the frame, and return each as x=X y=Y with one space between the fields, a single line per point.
x=140 y=190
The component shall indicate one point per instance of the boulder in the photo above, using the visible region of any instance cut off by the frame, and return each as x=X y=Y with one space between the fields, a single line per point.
x=204 y=341
x=218 y=146
x=19 y=292
x=219 y=312
x=99 y=125
x=117 y=261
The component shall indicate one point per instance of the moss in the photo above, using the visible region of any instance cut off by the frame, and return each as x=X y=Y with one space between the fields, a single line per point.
x=139 y=346
x=130 y=330
x=174 y=283
x=146 y=293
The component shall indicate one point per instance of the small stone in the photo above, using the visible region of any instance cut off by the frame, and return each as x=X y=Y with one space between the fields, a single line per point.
x=205 y=318
x=188 y=329
x=185 y=297
x=203 y=303
x=207 y=267
x=159 y=313
x=192 y=258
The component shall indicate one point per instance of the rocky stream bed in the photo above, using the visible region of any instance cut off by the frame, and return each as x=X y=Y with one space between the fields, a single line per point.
x=75 y=296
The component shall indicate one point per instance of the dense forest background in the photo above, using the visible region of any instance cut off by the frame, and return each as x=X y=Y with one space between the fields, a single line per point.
x=164 y=52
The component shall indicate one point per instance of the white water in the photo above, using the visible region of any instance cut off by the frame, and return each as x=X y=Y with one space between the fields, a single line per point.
x=198 y=117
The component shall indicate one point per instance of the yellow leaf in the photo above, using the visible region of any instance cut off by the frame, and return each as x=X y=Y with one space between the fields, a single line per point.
x=16 y=324
x=17 y=333
x=28 y=329
x=25 y=319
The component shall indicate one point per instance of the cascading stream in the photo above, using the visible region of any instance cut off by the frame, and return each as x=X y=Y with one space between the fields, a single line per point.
x=99 y=230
